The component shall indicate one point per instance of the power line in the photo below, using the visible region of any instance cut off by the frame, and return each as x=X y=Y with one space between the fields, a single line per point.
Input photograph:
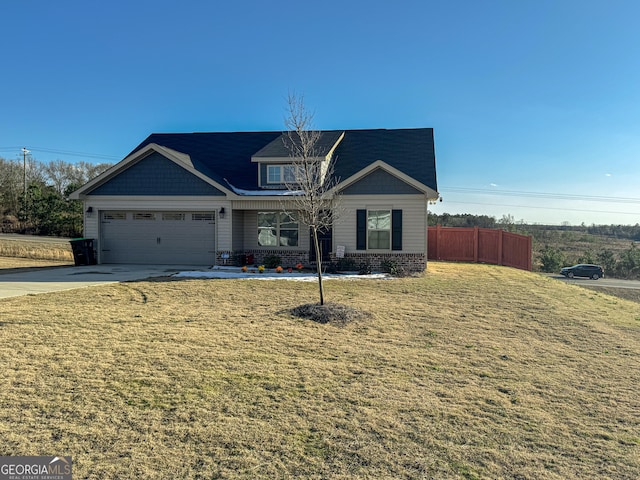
x=76 y=154
x=65 y=152
x=550 y=195
x=545 y=208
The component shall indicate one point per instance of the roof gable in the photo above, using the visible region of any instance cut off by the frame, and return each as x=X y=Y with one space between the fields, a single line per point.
x=220 y=156
x=380 y=182
x=155 y=175
x=374 y=176
x=178 y=162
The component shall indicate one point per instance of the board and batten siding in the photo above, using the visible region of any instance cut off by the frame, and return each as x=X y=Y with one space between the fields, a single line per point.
x=414 y=220
x=238 y=230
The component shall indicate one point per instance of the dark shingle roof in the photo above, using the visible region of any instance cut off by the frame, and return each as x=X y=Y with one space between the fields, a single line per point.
x=227 y=156
x=409 y=150
x=279 y=147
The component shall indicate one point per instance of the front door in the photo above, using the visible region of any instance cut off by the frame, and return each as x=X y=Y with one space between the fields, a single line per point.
x=326 y=244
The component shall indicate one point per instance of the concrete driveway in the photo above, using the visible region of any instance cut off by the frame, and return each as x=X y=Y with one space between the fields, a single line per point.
x=33 y=281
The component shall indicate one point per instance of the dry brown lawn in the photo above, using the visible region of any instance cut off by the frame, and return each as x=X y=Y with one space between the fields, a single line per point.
x=13 y=263
x=468 y=372
x=19 y=248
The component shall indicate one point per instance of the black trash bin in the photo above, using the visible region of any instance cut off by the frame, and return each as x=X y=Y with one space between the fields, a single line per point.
x=83 y=252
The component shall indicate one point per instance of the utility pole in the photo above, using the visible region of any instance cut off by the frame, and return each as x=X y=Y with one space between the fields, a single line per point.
x=24 y=170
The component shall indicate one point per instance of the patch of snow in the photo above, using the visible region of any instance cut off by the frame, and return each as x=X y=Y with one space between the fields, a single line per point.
x=257 y=193
x=236 y=273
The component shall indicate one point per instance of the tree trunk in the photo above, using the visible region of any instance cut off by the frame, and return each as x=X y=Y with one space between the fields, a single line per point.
x=316 y=244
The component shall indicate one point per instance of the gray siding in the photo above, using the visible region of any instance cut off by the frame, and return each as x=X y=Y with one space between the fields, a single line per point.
x=414 y=220
x=380 y=182
x=263 y=174
x=263 y=179
x=156 y=175
x=238 y=230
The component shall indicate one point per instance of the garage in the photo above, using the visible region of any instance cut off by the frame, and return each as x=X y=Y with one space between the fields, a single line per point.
x=157 y=237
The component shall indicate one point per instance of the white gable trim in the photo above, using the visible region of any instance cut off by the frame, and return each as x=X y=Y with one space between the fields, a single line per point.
x=181 y=159
x=429 y=192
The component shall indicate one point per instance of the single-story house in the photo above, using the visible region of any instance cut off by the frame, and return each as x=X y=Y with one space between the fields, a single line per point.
x=208 y=198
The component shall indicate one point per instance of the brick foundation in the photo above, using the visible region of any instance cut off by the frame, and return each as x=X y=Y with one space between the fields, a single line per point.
x=287 y=258
x=411 y=262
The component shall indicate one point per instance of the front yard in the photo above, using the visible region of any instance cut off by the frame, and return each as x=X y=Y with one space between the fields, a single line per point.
x=467 y=372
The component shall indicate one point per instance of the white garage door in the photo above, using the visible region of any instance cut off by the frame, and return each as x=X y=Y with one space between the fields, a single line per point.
x=152 y=237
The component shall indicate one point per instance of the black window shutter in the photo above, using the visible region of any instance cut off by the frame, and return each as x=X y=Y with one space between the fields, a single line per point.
x=396 y=230
x=361 y=230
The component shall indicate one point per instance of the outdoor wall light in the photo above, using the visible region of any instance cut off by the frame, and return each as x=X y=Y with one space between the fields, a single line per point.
x=221 y=212
x=89 y=211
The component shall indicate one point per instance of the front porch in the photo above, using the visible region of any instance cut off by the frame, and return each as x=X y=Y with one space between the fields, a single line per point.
x=262 y=234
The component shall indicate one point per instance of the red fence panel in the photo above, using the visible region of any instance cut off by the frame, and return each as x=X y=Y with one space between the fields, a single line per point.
x=516 y=251
x=457 y=245
x=479 y=245
x=489 y=246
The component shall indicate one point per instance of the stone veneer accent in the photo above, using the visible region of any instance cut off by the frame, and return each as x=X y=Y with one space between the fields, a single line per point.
x=411 y=262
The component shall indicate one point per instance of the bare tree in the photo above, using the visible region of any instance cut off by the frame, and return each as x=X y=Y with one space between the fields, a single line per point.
x=309 y=177
x=10 y=186
x=62 y=175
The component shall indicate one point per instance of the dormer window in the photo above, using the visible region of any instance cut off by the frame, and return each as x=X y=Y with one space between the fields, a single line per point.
x=274 y=173
x=280 y=174
x=275 y=169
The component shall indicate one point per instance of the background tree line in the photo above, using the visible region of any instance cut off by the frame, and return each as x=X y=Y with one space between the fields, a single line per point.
x=507 y=222
x=34 y=200
x=556 y=246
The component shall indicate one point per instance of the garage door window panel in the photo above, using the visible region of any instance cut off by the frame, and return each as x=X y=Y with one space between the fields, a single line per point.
x=202 y=217
x=114 y=216
x=173 y=217
x=143 y=216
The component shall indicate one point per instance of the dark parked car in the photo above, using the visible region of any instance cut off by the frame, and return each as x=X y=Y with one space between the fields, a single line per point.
x=583 y=270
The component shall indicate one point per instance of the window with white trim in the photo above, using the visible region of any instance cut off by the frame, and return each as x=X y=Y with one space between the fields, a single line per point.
x=281 y=174
x=277 y=229
x=289 y=174
x=274 y=173
x=379 y=229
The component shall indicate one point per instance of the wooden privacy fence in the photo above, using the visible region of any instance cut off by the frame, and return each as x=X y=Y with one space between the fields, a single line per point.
x=482 y=245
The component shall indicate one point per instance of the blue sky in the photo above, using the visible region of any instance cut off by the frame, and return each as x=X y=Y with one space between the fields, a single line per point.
x=534 y=103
